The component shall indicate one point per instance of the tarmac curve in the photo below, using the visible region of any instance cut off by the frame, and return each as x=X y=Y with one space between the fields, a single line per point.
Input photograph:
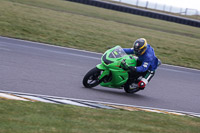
x=37 y=68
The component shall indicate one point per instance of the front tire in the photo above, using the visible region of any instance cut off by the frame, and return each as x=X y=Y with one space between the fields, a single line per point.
x=128 y=88
x=91 y=79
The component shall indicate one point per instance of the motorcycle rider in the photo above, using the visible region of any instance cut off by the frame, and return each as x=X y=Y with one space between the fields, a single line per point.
x=148 y=61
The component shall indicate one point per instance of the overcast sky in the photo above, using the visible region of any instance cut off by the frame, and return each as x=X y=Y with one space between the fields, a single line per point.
x=194 y=4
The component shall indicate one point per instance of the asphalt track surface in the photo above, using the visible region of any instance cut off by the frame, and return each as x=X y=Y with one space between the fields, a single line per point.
x=36 y=68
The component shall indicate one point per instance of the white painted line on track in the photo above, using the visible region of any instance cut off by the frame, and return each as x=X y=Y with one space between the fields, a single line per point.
x=64 y=101
x=8 y=96
x=5 y=49
x=181 y=67
x=36 y=98
x=178 y=71
x=81 y=101
x=51 y=45
x=57 y=52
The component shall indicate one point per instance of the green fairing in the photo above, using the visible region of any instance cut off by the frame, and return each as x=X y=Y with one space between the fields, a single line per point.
x=111 y=61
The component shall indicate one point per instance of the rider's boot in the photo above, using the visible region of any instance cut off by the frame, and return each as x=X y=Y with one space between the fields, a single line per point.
x=143 y=81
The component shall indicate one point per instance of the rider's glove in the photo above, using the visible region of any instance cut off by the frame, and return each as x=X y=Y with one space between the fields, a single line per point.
x=132 y=69
x=124 y=65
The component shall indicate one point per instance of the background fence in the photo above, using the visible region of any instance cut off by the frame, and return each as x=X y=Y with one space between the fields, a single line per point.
x=139 y=11
x=161 y=7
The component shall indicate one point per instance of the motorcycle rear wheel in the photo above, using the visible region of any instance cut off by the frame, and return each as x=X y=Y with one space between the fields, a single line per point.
x=128 y=89
x=91 y=79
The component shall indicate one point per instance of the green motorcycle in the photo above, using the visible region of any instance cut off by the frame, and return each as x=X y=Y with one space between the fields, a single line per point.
x=112 y=72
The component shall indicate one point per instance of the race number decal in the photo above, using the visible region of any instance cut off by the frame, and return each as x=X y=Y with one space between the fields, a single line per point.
x=145 y=64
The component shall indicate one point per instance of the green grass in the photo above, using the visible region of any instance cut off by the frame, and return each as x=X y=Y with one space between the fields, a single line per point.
x=75 y=25
x=37 y=117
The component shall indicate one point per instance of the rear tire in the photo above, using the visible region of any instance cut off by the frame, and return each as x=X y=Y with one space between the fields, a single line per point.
x=91 y=79
x=128 y=89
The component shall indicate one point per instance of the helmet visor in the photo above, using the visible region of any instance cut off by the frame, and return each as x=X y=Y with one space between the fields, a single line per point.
x=138 y=52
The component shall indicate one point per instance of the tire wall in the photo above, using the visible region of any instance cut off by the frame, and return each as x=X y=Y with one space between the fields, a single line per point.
x=138 y=11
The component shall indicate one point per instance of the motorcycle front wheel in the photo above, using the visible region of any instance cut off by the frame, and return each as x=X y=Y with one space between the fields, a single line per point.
x=91 y=79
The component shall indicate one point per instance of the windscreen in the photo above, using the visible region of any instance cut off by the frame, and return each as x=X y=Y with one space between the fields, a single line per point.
x=117 y=53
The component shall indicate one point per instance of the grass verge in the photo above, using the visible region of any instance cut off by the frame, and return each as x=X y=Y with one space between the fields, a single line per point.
x=86 y=27
x=37 y=117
